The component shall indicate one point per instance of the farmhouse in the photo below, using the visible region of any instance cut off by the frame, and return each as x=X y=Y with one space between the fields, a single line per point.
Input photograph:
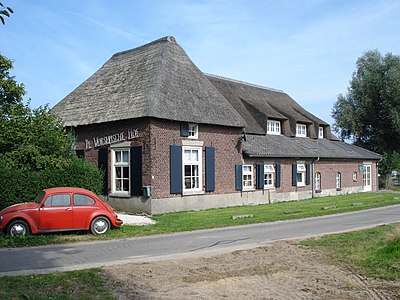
x=171 y=138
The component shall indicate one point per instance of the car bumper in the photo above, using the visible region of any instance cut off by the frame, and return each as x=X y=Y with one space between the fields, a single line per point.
x=118 y=222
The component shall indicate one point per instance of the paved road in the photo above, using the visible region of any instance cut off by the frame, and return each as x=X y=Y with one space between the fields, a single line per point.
x=45 y=259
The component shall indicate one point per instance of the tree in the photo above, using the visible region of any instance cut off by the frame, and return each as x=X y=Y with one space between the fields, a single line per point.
x=35 y=148
x=5 y=12
x=369 y=114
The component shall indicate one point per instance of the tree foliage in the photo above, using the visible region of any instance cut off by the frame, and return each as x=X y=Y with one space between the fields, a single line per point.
x=35 y=148
x=5 y=11
x=369 y=113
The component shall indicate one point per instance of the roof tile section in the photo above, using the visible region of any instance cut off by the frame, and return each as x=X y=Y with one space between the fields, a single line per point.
x=280 y=146
x=155 y=80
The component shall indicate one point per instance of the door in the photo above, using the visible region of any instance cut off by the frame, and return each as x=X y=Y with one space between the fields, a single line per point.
x=367 y=182
x=56 y=213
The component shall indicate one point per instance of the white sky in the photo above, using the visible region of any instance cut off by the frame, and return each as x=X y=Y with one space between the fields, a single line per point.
x=306 y=48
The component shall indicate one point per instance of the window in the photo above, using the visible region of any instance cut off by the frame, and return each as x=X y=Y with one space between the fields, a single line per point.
x=193 y=131
x=58 y=200
x=83 y=200
x=248 y=177
x=338 y=181
x=321 y=132
x=273 y=127
x=192 y=172
x=301 y=130
x=355 y=174
x=317 y=181
x=301 y=175
x=121 y=178
x=269 y=176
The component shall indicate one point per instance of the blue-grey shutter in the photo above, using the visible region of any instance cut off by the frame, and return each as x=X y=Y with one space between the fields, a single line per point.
x=210 y=169
x=102 y=163
x=184 y=129
x=80 y=153
x=260 y=176
x=294 y=174
x=238 y=177
x=175 y=164
x=278 y=176
x=308 y=174
x=136 y=170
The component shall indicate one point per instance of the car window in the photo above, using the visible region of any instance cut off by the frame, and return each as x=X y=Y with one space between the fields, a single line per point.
x=58 y=200
x=39 y=197
x=83 y=200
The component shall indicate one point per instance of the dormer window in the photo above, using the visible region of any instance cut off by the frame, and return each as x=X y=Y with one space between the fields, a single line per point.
x=301 y=130
x=273 y=127
x=321 y=132
x=193 y=131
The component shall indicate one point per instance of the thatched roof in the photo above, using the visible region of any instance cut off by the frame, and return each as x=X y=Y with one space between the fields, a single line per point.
x=257 y=104
x=280 y=146
x=155 y=80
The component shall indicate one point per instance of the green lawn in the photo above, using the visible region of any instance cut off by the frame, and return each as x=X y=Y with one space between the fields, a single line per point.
x=374 y=252
x=213 y=218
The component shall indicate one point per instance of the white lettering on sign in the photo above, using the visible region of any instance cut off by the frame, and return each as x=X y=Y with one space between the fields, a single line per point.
x=111 y=139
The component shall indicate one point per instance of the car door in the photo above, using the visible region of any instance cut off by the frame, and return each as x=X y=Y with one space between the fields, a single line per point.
x=83 y=206
x=56 y=212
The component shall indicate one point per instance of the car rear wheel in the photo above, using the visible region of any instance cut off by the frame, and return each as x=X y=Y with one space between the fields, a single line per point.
x=18 y=228
x=100 y=225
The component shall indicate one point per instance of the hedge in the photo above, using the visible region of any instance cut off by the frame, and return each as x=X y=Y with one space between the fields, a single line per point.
x=17 y=185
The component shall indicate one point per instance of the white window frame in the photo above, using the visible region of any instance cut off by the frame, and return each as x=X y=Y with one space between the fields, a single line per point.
x=193 y=131
x=321 y=132
x=338 y=180
x=195 y=177
x=247 y=177
x=273 y=127
x=121 y=164
x=269 y=171
x=301 y=174
x=301 y=130
x=318 y=181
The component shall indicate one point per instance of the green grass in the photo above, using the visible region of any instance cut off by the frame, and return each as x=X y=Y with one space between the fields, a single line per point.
x=214 y=218
x=86 y=284
x=374 y=252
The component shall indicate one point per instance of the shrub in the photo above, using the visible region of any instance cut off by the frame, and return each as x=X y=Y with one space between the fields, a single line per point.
x=21 y=185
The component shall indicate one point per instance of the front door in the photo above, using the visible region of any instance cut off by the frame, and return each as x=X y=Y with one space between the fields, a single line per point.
x=367 y=182
x=56 y=213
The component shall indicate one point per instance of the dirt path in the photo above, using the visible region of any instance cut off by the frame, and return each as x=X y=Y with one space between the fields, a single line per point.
x=280 y=270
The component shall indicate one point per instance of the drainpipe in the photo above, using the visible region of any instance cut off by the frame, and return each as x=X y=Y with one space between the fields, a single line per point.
x=313 y=177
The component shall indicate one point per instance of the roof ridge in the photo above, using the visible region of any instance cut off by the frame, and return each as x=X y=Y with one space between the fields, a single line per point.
x=169 y=38
x=245 y=83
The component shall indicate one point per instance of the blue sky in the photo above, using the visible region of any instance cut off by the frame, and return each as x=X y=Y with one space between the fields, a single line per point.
x=306 y=48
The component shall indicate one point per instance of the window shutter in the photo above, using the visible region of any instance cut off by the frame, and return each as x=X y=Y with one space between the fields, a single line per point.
x=175 y=163
x=102 y=163
x=136 y=170
x=294 y=174
x=80 y=153
x=185 y=129
x=278 y=175
x=238 y=177
x=308 y=174
x=260 y=176
x=210 y=169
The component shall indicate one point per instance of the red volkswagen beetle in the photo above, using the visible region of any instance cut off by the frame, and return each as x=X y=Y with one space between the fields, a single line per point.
x=59 y=209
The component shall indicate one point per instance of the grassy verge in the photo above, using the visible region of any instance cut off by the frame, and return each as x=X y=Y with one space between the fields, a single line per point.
x=374 y=252
x=86 y=284
x=213 y=218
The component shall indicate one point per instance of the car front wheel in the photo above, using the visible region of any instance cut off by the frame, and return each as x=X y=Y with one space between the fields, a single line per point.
x=100 y=225
x=18 y=228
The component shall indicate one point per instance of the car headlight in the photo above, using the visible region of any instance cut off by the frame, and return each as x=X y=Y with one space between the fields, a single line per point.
x=1 y=218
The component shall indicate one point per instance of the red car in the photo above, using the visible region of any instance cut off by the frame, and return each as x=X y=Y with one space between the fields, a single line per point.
x=59 y=209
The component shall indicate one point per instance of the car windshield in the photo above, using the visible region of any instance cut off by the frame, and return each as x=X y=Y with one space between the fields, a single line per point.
x=39 y=197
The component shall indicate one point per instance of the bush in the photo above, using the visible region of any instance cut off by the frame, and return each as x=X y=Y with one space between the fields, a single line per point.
x=21 y=185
